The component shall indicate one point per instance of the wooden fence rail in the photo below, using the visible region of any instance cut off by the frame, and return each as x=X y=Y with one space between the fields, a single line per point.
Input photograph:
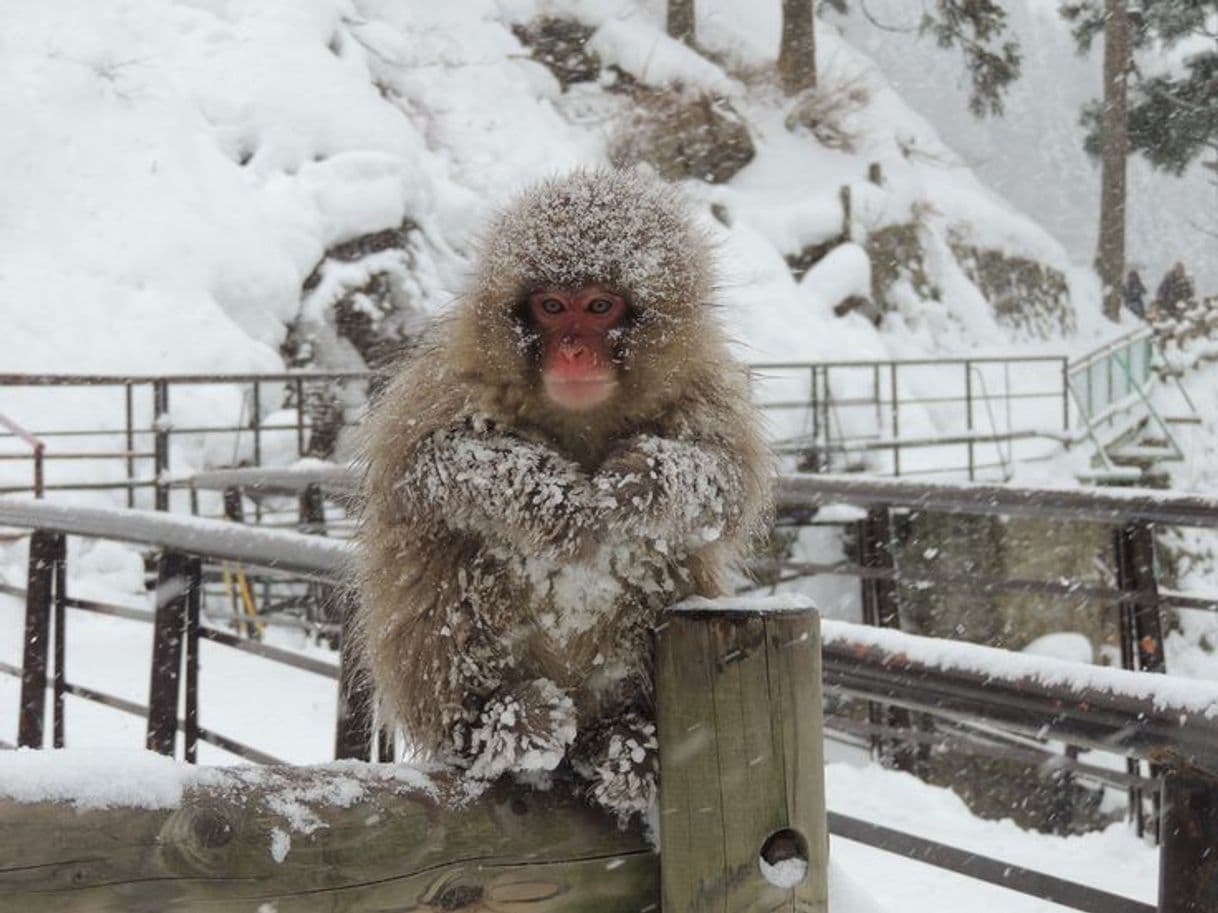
x=738 y=698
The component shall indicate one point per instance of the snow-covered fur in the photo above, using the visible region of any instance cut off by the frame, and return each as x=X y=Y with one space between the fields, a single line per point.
x=515 y=557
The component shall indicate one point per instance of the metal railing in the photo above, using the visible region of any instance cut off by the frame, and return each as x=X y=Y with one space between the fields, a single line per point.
x=37 y=451
x=1111 y=374
x=137 y=423
x=1145 y=717
x=911 y=416
x=951 y=416
x=968 y=417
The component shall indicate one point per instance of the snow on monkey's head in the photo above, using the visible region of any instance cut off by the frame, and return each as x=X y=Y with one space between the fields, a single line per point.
x=583 y=277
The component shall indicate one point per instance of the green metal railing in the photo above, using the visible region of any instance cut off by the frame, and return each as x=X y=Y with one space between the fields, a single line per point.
x=1112 y=374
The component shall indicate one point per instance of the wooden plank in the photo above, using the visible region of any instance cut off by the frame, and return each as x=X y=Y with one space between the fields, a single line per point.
x=740 y=727
x=347 y=837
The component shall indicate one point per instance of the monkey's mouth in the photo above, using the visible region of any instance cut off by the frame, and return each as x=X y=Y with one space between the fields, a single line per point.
x=580 y=394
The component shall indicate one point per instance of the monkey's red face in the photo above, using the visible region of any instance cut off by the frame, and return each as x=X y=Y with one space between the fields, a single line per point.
x=576 y=328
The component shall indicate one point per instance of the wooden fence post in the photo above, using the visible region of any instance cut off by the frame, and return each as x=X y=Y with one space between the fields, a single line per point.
x=1188 y=844
x=168 y=628
x=45 y=549
x=742 y=803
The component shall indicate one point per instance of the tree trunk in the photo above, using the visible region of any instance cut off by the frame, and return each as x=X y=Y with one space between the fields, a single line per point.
x=680 y=22
x=1110 y=253
x=797 y=56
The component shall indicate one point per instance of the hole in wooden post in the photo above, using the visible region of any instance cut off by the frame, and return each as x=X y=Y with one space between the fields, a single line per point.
x=784 y=858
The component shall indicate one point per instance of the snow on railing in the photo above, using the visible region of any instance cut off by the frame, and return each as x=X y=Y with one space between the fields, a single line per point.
x=281 y=549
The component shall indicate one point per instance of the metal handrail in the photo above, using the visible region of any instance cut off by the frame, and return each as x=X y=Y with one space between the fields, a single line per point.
x=1154 y=720
x=219 y=539
x=36 y=444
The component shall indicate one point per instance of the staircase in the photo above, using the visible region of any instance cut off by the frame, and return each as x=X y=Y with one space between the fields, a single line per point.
x=1112 y=389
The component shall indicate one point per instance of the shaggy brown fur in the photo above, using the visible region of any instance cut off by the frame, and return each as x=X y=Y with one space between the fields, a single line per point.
x=514 y=557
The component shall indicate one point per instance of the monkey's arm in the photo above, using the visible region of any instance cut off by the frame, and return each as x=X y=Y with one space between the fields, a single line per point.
x=479 y=479
x=675 y=489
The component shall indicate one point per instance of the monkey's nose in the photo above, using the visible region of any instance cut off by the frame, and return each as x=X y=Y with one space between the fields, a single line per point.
x=573 y=350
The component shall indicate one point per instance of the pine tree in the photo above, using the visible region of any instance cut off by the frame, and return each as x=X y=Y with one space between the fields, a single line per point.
x=1114 y=157
x=1173 y=115
x=992 y=58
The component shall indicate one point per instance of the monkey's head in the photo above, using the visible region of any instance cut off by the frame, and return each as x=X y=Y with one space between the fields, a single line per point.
x=590 y=299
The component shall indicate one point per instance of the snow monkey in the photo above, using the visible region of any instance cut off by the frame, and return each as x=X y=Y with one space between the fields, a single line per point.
x=571 y=450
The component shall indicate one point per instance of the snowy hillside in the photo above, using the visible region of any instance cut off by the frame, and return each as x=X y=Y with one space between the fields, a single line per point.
x=172 y=172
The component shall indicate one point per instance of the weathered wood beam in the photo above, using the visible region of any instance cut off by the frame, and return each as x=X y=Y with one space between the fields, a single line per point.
x=344 y=837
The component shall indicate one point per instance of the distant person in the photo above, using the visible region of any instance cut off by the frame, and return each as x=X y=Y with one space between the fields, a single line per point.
x=1174 y=292
x=1133 y=293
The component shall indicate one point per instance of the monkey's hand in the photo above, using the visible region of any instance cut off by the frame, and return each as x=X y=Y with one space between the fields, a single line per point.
x=671 y=489
x=527 y=728
x=621 y=759
x=478 y=478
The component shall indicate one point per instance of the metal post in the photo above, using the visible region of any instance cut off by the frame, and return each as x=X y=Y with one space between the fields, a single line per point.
x=815 y=416
x=1090 y=397
x=1065 y=394
x=256 y=418
x=881 y=608
x=896 y=422
x=59 y=683
x=968 y=398
x=234 y=509
x=879 y=399
x=169 y=624
x=1188 y=844
x=256 y=409
x=354 y=736
x=1134 y=544
x=129 y=423
x=160 y=425
x=1141 y=631
x=300 y=411
x=39 y=470
x=313 y=510
x=39 y=594
x=194 y=597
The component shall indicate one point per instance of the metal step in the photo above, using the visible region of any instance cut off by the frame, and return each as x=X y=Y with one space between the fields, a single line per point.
x=1127 y=475
x=1142 y=455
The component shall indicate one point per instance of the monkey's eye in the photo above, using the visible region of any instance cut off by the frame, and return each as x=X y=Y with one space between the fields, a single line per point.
x=600 y=306
x=552 y=306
